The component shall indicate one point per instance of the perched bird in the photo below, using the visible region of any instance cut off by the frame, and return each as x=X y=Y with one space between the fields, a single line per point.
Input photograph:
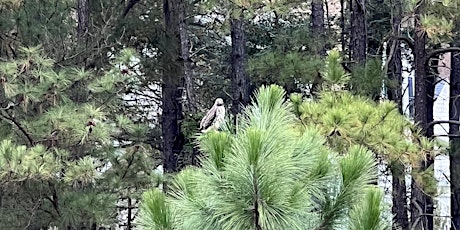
x=214 y=118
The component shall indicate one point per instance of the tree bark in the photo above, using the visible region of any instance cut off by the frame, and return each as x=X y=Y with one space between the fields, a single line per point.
x=317 y=24
x=399 y=209
x=422 y=204
x=342 y=25
x=423 y=101
x=83 y=19
x=395 y=94
x=454 y=114
x=358 y=35
x=172 y=82
x=319 y=30
x=185 y=52
x=239 y=78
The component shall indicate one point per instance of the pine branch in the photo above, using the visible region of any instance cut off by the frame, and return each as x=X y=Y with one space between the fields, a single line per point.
x=23 y=131
x=54 y=199
x=130 y=5
x=131 y=160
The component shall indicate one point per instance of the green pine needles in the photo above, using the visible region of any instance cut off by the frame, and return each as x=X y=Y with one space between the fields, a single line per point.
x=68 y=149
x=269 y=174
x=346 y=120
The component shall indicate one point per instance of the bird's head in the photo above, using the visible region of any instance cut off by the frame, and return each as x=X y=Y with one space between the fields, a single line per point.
x=219 y=102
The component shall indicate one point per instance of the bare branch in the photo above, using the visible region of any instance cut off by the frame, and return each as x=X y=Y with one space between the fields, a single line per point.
x=447 y=135
x=443 y=122
x=441 y=51
x=33 y=211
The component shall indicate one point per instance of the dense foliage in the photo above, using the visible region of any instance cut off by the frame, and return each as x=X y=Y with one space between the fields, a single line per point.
x=97 y=97
x=67 y=155
x=269 y=175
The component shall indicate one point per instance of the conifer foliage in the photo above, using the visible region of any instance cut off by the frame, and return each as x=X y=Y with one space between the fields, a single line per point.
x=346 y=120
x=269 y=174
x=67 y=152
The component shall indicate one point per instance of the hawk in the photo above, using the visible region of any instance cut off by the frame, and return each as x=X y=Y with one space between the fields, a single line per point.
x=214 y=118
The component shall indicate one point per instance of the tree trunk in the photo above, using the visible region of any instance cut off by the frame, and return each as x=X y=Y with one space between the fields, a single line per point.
x=185 y=52
x=423 y=102
x=83 y=14
x=342 y=26
x=318 y=29
x=454 y=114
x=172 y=82
x=358 y=35
x=422 y=204
x=317 y=24
x=395 y=94
x=399 y=209
x=239 y=78
x=83 y=19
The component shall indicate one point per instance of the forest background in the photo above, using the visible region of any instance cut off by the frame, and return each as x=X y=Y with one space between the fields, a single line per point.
x=98 y=96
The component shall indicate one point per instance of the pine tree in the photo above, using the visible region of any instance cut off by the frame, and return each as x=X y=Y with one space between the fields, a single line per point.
x=64 y=162
x=347 y=119
x=430 y=26
x=268 y=175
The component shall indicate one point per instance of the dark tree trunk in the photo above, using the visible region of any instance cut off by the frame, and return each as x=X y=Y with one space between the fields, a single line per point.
x=399 y=209
x=454 y=114
x=173 y=74
x=395 y=94
x=358 y=35
x=319 y=30
x=422 y=204
x=423 y=84
x=342 y=25
x=83 y=16
x=83 y=19
x=317 y=24
x=240 y=81
x=188 y=71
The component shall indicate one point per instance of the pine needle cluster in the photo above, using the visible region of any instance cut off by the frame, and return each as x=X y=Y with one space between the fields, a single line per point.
x=68 y=151
x=269 y=174
x=346 y=120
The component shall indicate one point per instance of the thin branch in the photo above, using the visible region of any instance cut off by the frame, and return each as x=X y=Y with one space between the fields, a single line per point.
x=441 y=51
x=33 y=211
x=54 y=199
x=443 y=122
x=130 y=5
x=390 y=56
x=23 y=131
x=131 y=160
x=407 y=40
x=447 y=135
x=446 y=177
